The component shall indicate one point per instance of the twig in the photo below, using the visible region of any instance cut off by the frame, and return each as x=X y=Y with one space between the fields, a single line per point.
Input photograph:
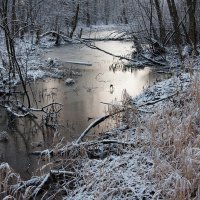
x=28 y=111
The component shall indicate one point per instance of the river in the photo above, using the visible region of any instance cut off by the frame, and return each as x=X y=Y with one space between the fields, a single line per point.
x=81 y=101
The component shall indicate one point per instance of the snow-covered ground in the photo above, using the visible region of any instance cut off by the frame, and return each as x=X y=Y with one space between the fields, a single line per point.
x=154 y=154
x=162 y=158
x=31 y=62
x=30 y=58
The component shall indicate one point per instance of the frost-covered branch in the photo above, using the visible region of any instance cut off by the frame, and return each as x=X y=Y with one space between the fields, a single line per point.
x=29 y=111
x=95 y=123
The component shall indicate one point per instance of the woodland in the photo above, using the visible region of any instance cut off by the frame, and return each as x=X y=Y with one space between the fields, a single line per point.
x=154 y=150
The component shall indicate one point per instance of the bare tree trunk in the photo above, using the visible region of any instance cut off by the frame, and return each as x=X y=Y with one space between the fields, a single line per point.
x=160 y=20
x=186 y=34
x=14 y=19
x=175 y=21
x=13 y=63
x=124 y=13
x=151 y=31
x=74 y=21
x=4 y=16
x=88 y=20
x=191 y=4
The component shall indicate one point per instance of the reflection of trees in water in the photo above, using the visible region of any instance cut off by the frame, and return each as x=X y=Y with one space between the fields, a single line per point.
x=24 y=136
x=124 y=68
x=154 y=74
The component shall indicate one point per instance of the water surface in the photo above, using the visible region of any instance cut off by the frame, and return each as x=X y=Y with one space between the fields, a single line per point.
x=81 y=102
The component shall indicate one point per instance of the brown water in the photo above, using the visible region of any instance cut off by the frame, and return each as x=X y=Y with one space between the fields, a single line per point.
x=81 y=101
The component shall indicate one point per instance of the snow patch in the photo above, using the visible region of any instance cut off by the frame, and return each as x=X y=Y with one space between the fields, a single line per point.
x=69 y=81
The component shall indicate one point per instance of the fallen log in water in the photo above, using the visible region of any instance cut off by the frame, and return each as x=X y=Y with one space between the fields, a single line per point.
x=134 y=61
x=86 y=42
x=78 y=62
x=95 y=123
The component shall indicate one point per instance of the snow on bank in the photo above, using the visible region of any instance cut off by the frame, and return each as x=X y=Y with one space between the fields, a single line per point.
x=163 y=89
x=164 y=162
x=157 y=156
x=30 y=59
x=115 y=177
x=32 y=65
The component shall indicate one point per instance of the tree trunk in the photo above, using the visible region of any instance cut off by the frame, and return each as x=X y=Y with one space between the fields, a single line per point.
x=74 y=21
x=14 y=19
x=88 y=20
x=13 y=63
x=191 y=4
x=125 y=20
x=162 y=29
x=175 y=21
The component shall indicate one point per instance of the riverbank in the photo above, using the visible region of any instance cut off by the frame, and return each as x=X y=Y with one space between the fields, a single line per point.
x=154 y=154
x=160 y=155
x=89 y=90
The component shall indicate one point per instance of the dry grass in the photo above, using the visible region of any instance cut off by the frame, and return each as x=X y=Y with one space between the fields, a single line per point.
x=174 y=138
x=161 y=162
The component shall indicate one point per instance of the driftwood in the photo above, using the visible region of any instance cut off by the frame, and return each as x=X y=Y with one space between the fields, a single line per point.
x=95 y=123
x=101 y=119
x=114 y=36
x=153 y=61
x=92 y=150
x=131 y=108
x=78 y=62
x=92 y=46
x=68 y=149
x=107 y=39
x=106 y=142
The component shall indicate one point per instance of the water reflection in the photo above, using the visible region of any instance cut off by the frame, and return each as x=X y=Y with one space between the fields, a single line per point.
x=81 y=102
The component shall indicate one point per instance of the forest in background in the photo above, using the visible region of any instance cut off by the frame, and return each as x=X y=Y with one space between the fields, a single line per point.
x=155 y=155
x=167 y=21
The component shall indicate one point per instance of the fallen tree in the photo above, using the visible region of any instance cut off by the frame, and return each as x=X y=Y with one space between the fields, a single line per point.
x=95 y=123
x=146 y=60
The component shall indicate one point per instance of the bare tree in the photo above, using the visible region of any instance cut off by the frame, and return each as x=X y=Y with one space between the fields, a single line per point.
x=192 y=5
x=160 y=20
x=175 y=22
x=13 y=64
